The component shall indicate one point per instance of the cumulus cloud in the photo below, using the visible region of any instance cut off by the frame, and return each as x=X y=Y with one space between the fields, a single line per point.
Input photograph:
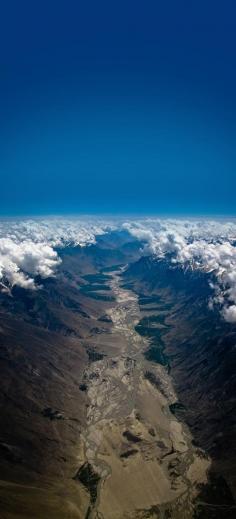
x=209 y=245
x=229 y=313
x=58 y=232
x=21 y=262
x=29 y=247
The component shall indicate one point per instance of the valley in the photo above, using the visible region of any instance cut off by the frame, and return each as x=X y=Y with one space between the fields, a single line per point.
x=111 y=398
x=142 y=456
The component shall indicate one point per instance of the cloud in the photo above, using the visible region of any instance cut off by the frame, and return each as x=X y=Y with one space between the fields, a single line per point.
x=28 y=246
x=229 y=313
x=31 y=247
x=58 y=232
x=21 y=262
x=209 y=245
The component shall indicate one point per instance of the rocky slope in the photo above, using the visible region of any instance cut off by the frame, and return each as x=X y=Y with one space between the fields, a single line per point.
x=117 y=392
x=200 y=348
x=47 y=338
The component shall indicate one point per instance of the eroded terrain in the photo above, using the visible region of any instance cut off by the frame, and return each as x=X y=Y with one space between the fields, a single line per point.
x=137 y=459
x=91 y=426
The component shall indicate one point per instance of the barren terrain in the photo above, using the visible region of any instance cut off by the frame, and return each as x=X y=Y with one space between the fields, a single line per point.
x=139 y=455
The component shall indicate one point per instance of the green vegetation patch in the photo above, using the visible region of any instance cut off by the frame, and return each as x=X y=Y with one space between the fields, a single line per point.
x=151 y=320
x=94 y=288
x=97 y=278
x=176 y=408
x=97 y=295
x=94 y=355
x=89 y=479
x=128 y=453
x=156 y=302
x=156 y=354
x=52 y=414
x=147 y=300
x=101 y=297
x=131 y=437
x=146 y=328
x=113 y=268
x=83 y=387
x=127 y=286
x=153 y=379
x=105 y=319
x=97 y=286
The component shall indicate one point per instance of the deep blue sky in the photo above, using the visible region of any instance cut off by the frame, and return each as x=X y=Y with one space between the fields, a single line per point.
x=118 y=106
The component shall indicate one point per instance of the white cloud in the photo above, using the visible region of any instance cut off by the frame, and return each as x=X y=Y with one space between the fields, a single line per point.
x=229 y=313
x=31 y=247
x=27 y=246
x=21 y=262
x=209 y=245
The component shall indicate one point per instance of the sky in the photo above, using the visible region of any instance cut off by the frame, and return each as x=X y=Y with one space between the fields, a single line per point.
x=118 y=107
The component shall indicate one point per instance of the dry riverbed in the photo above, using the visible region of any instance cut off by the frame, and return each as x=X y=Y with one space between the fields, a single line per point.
x=137 y=460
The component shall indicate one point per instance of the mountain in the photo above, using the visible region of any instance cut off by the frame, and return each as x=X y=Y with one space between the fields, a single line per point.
x=117 y=391
x=47 y=338
x=200 y=347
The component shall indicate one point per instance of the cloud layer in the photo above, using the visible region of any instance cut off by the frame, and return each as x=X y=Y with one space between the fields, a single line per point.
x=31 y=247
x=209 y=245
x=27 y=247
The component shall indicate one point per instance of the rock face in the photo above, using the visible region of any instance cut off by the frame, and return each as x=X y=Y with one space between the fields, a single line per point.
x=200 y=347
x=117 y=392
